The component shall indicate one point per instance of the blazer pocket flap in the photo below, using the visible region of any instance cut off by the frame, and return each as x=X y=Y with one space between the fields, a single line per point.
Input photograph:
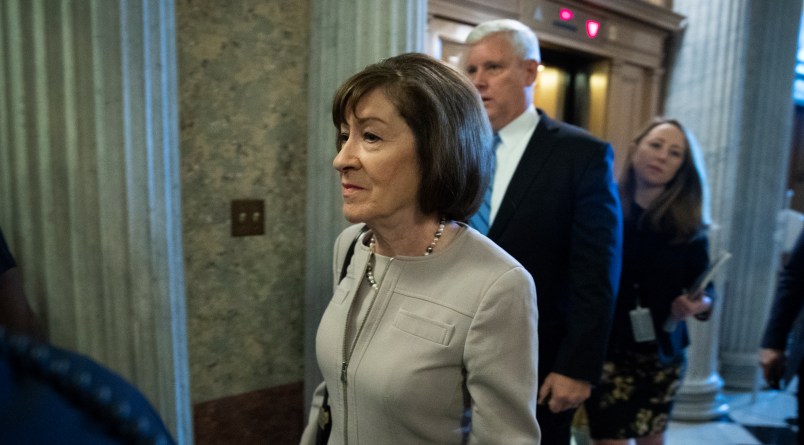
x=428 y=329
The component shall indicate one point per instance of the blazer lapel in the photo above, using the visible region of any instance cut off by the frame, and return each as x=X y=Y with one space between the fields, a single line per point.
x=540 y=148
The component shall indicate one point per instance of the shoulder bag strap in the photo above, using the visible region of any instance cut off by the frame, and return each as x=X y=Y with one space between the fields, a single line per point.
x=351 y=252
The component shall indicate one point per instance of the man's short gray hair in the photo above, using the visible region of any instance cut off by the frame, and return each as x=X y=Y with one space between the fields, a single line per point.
x=521 y=38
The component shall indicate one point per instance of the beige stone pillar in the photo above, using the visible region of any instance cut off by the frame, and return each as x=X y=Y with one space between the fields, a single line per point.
x=346 y=36
x=731 y=85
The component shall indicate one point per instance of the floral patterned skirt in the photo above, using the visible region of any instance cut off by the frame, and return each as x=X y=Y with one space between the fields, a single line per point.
x=634 y=396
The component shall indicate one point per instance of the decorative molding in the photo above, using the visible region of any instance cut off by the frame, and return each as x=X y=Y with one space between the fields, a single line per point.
x=642 y=11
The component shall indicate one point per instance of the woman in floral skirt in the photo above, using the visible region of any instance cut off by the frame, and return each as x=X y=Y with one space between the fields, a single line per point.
x=665 y=249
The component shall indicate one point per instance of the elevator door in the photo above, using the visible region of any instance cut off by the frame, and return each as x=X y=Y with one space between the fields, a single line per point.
x=572 y=88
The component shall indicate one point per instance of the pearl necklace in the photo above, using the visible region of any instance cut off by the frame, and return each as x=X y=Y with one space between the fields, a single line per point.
x=370 y=270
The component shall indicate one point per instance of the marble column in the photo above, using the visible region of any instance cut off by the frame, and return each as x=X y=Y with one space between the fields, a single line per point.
x=700 y=396
x=89 y=184
x=772 y=28
x=346 y=36
x=731 y=85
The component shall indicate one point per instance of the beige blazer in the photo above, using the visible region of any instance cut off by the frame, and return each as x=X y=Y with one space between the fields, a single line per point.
x=447 y=331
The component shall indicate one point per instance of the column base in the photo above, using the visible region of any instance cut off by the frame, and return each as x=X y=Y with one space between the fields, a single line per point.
x=700 y=400
x=740 y=370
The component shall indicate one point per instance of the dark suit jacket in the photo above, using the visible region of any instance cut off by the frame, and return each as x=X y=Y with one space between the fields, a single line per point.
x=560 y=217
x=786 y=309
x=655 y=271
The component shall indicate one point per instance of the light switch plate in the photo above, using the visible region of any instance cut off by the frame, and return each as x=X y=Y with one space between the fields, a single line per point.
x=248 y=217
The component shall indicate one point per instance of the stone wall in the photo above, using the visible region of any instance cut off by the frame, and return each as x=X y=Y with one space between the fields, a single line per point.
x=243 y=116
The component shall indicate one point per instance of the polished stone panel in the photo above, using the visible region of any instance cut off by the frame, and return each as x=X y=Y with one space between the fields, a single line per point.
x=243 y=113
x=266 y=416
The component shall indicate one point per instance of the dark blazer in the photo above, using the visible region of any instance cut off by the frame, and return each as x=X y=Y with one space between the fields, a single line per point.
x=560 y=217
x=786 y=309
x=655 y=271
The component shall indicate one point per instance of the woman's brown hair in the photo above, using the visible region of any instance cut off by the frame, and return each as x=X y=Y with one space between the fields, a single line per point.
x=445 y=114
x=681 y=210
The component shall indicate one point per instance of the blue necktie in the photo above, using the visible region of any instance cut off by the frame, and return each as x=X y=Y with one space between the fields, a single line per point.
x=480 y=220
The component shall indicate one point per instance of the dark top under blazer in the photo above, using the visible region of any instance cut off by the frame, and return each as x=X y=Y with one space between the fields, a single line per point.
x=560 y=217
x=786 y=309
x=656 y=271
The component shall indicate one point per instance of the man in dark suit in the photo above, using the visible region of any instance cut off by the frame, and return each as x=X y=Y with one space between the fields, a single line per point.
x=554 y=207
x=785 y=311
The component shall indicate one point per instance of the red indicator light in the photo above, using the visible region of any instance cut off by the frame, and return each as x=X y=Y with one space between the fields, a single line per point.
x=592 y=28
x=565 y=14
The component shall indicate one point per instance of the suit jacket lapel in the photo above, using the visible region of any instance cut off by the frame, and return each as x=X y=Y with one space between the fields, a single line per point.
x=796 y=350
x=540 y=148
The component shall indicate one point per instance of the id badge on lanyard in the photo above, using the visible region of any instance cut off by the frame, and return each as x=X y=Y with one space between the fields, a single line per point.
x=642 y=325
x=641 y=322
